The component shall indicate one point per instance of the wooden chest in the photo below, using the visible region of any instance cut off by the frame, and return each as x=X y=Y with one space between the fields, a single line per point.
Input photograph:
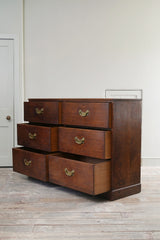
x=90 y=145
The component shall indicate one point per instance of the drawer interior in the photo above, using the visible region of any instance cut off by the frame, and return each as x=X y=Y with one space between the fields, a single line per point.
x=78 y=158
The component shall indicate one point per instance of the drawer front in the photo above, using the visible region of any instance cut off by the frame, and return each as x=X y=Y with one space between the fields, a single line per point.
x=87 y=114
x=42 y=112
x=82 y=176
x=91 y=143
x=38 y=137
x=31 y=164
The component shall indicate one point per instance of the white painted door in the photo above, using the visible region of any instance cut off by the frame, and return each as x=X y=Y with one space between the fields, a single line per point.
x=6 y=102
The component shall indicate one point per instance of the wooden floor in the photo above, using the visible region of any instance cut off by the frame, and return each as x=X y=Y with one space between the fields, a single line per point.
x=30 y=209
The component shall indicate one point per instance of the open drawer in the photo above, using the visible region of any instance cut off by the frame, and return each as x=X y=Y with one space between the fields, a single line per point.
x=84 y=174
x=33 y=164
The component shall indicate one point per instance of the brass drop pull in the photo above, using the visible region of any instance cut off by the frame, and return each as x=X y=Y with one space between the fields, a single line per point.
x=83 y=114
x=79 y=141
x=69 y=173
x=32 y=135
x=39 y=110
x=27 y=162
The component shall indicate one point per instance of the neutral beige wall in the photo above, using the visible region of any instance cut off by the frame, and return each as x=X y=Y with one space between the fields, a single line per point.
x=78 y=48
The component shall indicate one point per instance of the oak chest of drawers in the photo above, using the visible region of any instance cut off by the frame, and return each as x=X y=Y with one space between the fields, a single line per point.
x=90 y=145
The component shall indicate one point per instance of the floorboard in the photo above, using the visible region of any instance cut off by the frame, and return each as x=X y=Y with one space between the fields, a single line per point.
x=30 y=209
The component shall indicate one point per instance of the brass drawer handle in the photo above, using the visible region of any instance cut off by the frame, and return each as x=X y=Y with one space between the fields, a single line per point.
x=32 y=136
x=69 y=173
x=79 y=141
x=83 y=114
x=39 y=110
x=27 y=162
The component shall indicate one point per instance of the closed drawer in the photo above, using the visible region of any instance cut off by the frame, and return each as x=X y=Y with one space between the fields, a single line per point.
x=91 y=143
x=86 y=114
x=30 y=163
x=91 y=176
x=38 y=137
x=42 y=112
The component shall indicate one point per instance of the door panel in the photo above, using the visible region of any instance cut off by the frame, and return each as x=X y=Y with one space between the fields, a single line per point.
x=6 y=102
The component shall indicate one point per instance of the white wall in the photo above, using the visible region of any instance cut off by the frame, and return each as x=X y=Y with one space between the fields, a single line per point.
x=11 y=26
x=78 y=48
x=11 y=17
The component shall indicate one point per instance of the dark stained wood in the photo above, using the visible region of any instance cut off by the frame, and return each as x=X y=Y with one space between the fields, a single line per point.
x=88 y=177
x=102 y=177
x=122 y=192
x=78 y=157
x=38 y=167
x=46 y=137
x=114 y=132
x=126 y=144
x=94 y=144
x=89 y=100
x=50 y=115
x=108 y=144
x=98 y=114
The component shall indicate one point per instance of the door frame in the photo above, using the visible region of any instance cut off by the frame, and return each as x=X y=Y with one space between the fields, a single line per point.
x=18 y=82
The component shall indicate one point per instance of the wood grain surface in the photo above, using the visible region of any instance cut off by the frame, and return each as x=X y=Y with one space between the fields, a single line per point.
x=34 y=210
x=46 y=137
x=97 y=114
x=50 y=115
x=30 y=163
x=89 y=177
x=96 y=143
x=126 y=144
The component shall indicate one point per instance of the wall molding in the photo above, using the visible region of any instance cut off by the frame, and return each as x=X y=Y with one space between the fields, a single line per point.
x=150 y=162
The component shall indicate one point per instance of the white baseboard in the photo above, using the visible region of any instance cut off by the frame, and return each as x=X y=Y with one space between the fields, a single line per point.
x=152 y=162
